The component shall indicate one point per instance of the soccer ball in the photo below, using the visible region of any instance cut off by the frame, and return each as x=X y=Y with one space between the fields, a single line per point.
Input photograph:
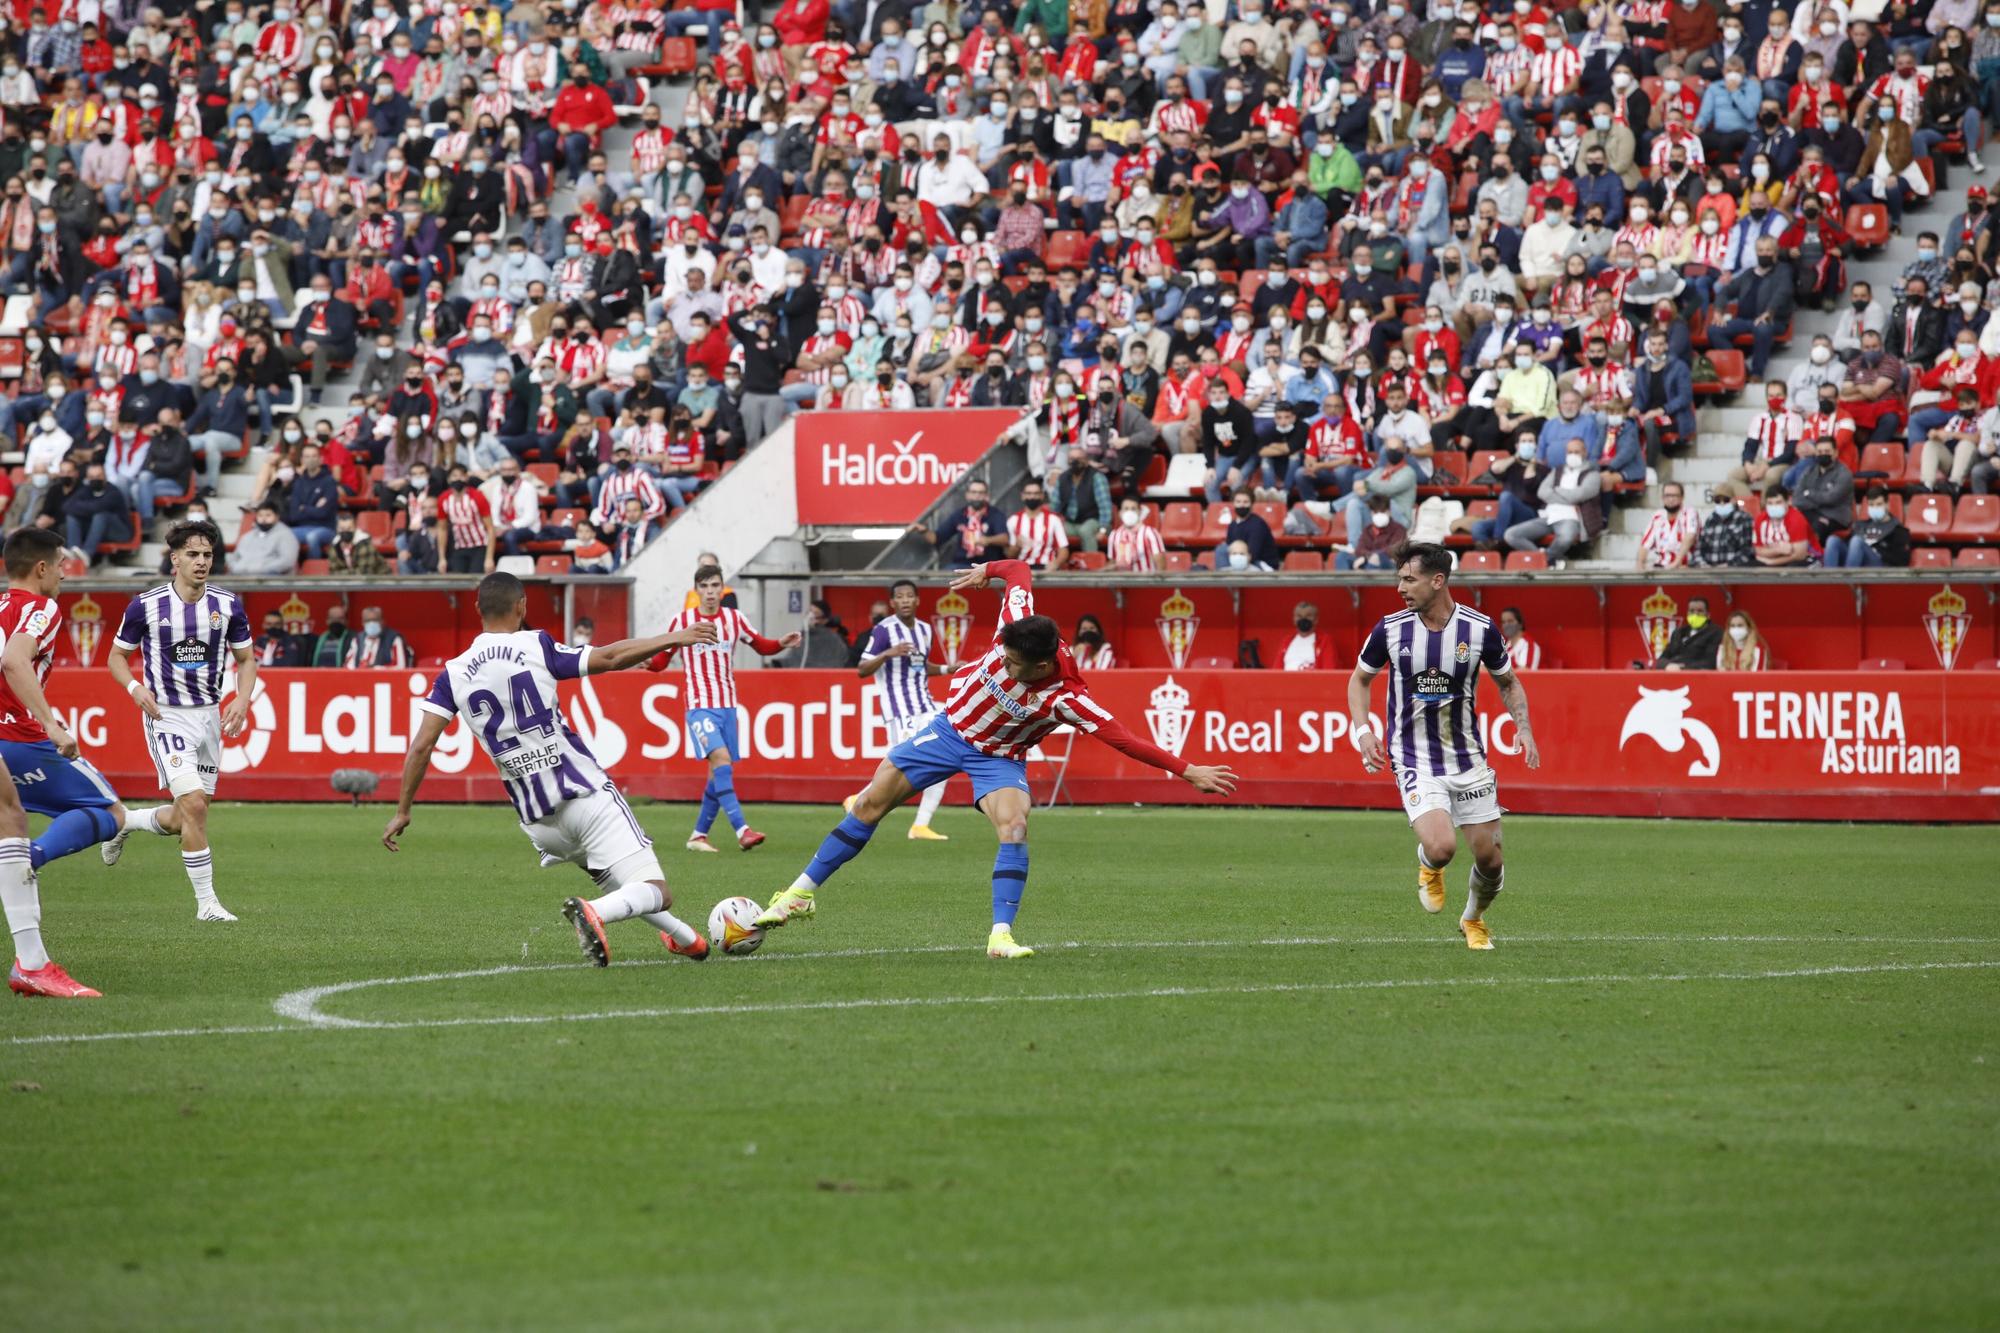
x=732 y=926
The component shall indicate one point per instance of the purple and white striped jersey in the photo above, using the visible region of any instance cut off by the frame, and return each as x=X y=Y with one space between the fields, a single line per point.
x=185 y=647
x=1433 y=722
x=505 y=684
x=906 y=691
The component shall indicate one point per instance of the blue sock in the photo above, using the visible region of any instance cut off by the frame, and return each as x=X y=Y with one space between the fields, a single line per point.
x=708 y=807
x=724 y=783
x=70 y=832
x=842 y=845
x=1010 y=881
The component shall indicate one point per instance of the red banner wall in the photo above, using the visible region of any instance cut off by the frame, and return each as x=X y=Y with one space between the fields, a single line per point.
x=1809 y=624
x=886 y=467
x=1792 y=745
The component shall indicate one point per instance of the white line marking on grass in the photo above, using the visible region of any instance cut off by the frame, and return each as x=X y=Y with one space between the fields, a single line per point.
x=310 y=1020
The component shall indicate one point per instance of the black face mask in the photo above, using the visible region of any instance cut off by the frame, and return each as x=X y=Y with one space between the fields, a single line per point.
x=623 y=465
x=1031 y=502
x=1242 y=512
x=458 y=483
x=1859 y=306
x=1089 y=638
x=1303 y=624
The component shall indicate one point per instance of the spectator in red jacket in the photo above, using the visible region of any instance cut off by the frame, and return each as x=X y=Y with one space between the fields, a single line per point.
x=1311 y=649
x=707 y=346
x=580 y=116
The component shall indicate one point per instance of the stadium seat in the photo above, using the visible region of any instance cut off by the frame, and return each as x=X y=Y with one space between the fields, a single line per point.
x=1304 y=562
x=1086 y=561
x=1068 y=249
x=374 y=524
x=552 y=564
x=1730 y=373
x=1456 y=464
x=1479 y=562
x=677 y=56
x=1885 y=460
x=314 y=569
x=1215 y=524
x=1178 y=562
x=1180 y=523
x=1928 y=517
x=1881 y=664
x=1522 y=561
x=1978 y=557
x=1482 y=463
x=793 y=213
x=1930 y=557
x=1976 y=518
x=1868 y=224
x=1273 y=514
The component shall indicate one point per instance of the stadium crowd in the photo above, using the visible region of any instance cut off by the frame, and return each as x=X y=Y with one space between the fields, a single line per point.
x=1343 y=254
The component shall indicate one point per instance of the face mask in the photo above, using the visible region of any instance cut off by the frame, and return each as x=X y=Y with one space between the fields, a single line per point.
x=1739 y=634
x=1239 y=560
x=1523 y=361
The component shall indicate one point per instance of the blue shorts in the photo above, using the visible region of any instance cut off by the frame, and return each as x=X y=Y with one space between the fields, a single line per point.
x=712 y=729
x=52 y=785
x=937 y=753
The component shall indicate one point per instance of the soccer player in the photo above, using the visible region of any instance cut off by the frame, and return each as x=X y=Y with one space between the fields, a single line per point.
x=1000 y=706
x=711 y=701
x=1434 y=651
x=33 y=971
x=185 y=632
x=55 y=780
x=505 y=684
x=898 y=656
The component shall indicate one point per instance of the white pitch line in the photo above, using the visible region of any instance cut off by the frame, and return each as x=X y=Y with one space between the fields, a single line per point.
x=328 y=1024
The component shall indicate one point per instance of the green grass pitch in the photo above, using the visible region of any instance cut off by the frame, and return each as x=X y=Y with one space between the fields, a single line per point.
x=1713 y=1077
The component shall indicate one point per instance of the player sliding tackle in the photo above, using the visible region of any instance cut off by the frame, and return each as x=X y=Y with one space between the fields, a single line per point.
x=999 y=707
x=1434 y=650
x=506 y=684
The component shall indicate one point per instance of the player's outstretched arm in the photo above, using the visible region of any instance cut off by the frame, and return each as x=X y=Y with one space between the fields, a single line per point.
x=1373 y=753
x=628 y=653
x=1514 y=697
x=415 y=765
x=1011 y=572
x=1215 y=779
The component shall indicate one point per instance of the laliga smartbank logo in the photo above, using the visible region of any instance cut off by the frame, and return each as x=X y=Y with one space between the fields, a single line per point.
x=899 y=465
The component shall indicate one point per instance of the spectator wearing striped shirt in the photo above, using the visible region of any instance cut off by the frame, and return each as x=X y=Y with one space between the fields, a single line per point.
x=1134 y=544
x=623 y=481
x=377 y=645
x=1037 y=536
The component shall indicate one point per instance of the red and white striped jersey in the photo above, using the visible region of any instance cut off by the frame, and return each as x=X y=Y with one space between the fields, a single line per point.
x=1551 y=71
x=1775 y=432
x=1525 y=653
x=1666 y=533
x=999 y=715
x=1036 y=535
x=1906 y=95
x=465 y=512
x=711 y=667
x=24 y=612
x=1138 y=548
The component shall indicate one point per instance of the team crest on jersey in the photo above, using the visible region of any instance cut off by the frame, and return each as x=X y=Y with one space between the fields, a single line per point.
x=298 y=615
x=1178 y=625
x=953 y=619
x=1659 y=617
x=1948 y=623
x=215 y=620
x=1464 y=652
x=86 y=629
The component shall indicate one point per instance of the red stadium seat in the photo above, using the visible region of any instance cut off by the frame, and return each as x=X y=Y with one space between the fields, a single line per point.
x=1068 y=249
x=567 y=518
x=1156 y=470
x=1247 y=285
x=552 y=564
x=314 y=569
x=1868 y=224
x=1520 y=561
x=1976 y=519
x=1178 y=562
x=374 y=524
x=1181 y=523
x=793 y=212
x=1928 y=517
x=677 y=55
x=1479 y=562
x=1304 y=562
x=1483 y=461
x=1884 y=458
x=1457 y=464
x=1978 y=557
x=546 y=473
x=1730 y=373
x=1273 y=514
x=1215 y=524
x=1881 y=664
x=1149 y=514
x=1930 y=557
x=1087 y=561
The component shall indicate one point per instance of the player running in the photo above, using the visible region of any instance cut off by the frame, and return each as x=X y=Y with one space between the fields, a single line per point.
x=505 y=684
x=33 y=971
x=184 y=633
x=1434 y=651
x=898 y=656
x=711 y=701
x=53 y=779
x=999 y=707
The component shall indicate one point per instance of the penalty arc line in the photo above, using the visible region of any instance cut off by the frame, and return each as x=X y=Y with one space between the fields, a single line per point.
x=329 y=1024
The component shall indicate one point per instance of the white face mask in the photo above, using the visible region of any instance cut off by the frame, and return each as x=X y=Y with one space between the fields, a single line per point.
x=1739 y=634
x=1379 y=520
x=1129 y=517
x=1239 y=560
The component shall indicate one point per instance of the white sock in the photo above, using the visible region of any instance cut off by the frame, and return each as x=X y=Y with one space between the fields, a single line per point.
x=804 y=882
x=21 y=897
x=201 y=873
x=627 y=902
x=147 y=821
x=683 y=934
x=927 y=807
x=1481 y=891
x=1423 y=860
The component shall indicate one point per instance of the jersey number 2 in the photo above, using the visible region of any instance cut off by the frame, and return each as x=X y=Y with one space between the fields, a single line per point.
x=530 y=714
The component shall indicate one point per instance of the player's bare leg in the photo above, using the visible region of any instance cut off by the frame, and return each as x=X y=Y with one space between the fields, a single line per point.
x=33 y=972
x=884 y=792
x=1488 y=877
x=1007 y=810
x=1436 y=845
x=187 y=819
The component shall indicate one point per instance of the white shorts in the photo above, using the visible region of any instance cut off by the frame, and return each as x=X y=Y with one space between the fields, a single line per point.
x=186 y=745
x=902 y=728
x=600 y=833
x=1470 y=798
